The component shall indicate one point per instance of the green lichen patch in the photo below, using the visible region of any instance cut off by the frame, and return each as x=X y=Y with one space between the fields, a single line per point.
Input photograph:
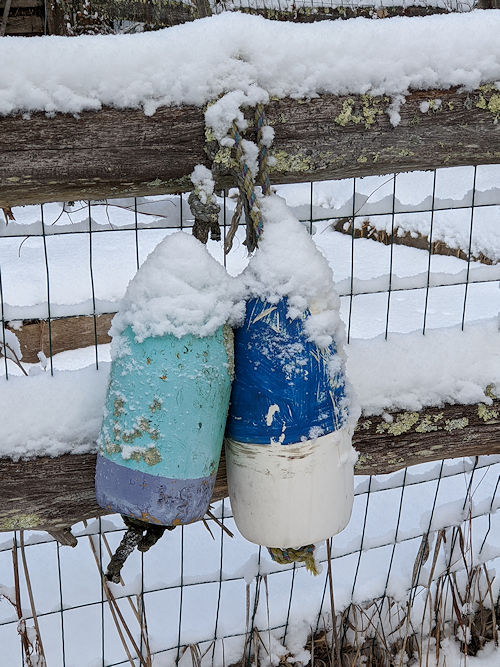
x=363 y=425
x=151 y=456
x=288 y=162
x=224 y=159
x=489 y=100
x=353 y=112
x=21 y=522
x=487 y=414
x=426 y=425
x=430 y=423
x=228 y=341
x=403 y=423
x=111 y=447
x=456 y=424
x=490 y=393
x=118 y=406
x=129 y=436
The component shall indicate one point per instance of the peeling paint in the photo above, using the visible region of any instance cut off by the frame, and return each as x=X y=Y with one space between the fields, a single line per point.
x=271 y=412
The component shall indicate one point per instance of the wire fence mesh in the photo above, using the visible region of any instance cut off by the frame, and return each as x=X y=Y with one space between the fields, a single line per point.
x=213 y=598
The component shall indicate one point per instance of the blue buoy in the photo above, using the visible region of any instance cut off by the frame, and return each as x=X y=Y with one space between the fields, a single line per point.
x=276 y=365
x=288 y=437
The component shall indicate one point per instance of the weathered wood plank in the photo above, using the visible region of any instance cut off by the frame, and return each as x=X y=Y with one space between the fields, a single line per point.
x=31 y=24
x=402 y=237
x=113 y=153
x=155 y=14
x=50 y=494
x=22 y=4
x=309 y=14
x=66 y=333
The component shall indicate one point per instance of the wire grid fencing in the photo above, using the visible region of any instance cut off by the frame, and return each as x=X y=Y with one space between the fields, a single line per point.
x=208 y=596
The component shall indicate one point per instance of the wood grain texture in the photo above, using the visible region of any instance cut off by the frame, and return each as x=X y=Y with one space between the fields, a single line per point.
x=53 y=493
x=155 y=14
x=65 y=333
x=113 y=153
x=23 y=4
x=24 y=26
x=401 y=237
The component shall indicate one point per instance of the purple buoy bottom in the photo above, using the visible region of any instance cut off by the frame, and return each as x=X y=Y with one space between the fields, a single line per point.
x=160 y=500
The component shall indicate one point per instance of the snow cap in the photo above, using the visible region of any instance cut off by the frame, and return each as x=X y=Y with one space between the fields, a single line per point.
x=180 y=289
x=247 y=59
x=288 y=264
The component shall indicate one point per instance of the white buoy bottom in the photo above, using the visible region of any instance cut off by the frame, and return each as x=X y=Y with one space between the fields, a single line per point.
x=291 y=495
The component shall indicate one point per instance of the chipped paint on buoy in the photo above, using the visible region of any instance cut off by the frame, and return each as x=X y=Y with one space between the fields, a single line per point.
x=163 y=427
x=289 y=456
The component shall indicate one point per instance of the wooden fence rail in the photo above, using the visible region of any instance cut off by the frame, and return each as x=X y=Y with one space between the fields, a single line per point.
x=117 y=153
x=54 y=493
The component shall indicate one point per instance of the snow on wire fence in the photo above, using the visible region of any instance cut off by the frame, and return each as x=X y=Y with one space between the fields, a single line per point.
x=412 y=254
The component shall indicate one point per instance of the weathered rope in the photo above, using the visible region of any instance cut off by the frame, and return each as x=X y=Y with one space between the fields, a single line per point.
x=139 y=534
x=246 y=182
x=302 y=555
x=248 y=195
x=233 y=227
x=206 y=217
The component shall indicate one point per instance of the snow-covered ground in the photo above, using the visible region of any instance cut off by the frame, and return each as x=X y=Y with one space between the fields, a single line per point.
x=195 y=587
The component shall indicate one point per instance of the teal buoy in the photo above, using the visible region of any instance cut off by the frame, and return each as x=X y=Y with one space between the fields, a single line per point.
x=168 y=394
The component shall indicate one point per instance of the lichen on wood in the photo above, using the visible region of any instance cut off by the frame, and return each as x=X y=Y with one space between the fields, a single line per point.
x=317 y=139
x=48 y=493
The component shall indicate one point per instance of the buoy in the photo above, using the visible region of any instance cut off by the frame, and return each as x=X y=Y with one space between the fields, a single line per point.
x=168 y=395
x=288 y=439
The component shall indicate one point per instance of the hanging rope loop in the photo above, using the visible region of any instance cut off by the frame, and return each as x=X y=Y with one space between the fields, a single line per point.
x=247 y=179
x=302 y=555
x=139 y=534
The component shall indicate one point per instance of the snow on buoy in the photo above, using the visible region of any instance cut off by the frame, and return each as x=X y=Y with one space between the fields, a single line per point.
x=169 y=389
x=288 y=438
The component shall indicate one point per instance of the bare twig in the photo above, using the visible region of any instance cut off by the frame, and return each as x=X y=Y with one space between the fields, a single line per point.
x=117 y=614
x=22 y=630
x=31 y=598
